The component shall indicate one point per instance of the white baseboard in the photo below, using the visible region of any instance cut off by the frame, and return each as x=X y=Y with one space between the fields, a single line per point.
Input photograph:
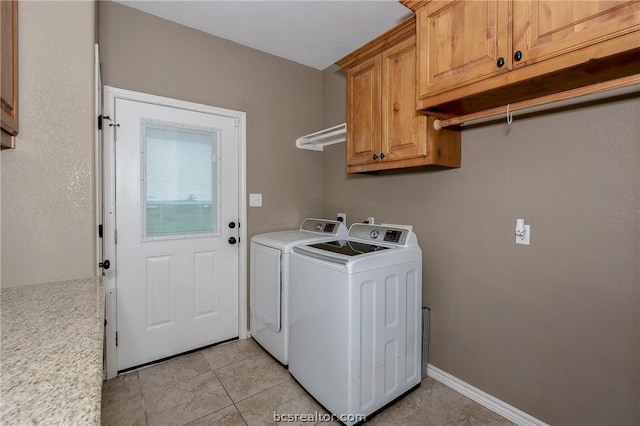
x=491 y=402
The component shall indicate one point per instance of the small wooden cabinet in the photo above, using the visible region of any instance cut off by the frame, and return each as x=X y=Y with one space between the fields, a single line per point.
x=475 y=55
x=364 y=130
x=9 y=64
x=384 y=130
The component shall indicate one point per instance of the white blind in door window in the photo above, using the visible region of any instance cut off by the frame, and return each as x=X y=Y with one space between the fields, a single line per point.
x=180 y=180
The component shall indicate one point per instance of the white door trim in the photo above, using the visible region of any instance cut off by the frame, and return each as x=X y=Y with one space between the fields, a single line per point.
x=98 y=154
x=109 y=240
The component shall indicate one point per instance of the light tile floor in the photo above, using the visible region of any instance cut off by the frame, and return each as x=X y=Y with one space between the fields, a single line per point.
x=237 y=383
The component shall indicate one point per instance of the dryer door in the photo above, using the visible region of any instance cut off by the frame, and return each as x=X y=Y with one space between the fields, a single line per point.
x=266 y=285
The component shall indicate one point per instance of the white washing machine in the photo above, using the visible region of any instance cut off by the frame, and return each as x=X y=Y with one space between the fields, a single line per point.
x=269 y=281
x=356 y=319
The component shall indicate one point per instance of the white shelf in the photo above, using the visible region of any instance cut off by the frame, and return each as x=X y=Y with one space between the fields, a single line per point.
x=318 y=140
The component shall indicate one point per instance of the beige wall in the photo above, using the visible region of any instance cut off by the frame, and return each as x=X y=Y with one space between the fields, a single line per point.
x=282 y=99
x=48 y=226
x=553 y=328
x=334 y=97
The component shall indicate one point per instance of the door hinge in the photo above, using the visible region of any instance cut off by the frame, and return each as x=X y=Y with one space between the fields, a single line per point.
x=115 y=237
x=114 y=125
x=237 y=121
x=115 y=131
x=116 y=338
x=100 y=231
x=100 y=122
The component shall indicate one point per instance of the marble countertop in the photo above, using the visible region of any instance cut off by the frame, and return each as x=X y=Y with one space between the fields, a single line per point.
x=51 y=353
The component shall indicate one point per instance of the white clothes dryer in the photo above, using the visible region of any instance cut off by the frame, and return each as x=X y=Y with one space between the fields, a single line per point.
x=269 y=281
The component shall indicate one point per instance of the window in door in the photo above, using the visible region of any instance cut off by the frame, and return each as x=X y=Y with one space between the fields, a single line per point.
x=180 y=180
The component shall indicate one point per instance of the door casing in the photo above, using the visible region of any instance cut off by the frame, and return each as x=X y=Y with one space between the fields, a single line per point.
x=109 y=209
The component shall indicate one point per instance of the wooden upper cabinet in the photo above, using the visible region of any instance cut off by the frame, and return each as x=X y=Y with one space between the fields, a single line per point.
x=476 y=55
x=546 y=28
x=403 y=128
x=9 y=80
x=461 y=42
x=363 y=111
x=384 y=128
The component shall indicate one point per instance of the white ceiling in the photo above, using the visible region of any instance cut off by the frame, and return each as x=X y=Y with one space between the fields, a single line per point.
x=315 y=33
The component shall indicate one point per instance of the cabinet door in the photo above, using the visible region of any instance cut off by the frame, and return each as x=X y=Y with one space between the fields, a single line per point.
x=462 y=42
x=363 y=112
x=403 y=128
x=9 y=64
x=547 y=28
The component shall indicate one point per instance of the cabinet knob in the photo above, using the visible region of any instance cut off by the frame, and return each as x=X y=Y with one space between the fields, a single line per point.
x=382 y=156
x=500 y=62
x=517 y=56
x=375 y=157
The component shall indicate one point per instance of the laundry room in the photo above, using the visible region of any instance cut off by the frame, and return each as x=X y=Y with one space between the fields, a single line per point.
x=538 y=333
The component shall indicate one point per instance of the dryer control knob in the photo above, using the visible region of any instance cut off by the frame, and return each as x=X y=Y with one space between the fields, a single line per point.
x=374 y=234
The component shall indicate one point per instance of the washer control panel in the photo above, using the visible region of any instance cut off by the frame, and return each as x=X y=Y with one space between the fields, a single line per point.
x=379 y=233
x=322 y=226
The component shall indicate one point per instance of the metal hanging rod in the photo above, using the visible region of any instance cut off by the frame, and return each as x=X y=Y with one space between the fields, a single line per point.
x=543 y=100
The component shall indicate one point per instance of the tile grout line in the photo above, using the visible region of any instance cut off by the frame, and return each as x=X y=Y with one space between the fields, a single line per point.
x=247 y=397
x=263 y=390
x=171 y=363
x=212 y=370
x=227 y=392
x=144 y=404
x=251 y=396
x=228 y=395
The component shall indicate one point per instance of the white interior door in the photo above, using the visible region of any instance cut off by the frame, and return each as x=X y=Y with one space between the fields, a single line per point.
x=177 y=196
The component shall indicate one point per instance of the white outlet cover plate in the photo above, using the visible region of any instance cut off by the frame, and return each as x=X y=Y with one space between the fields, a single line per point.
x=526 y=239
x=255 y=200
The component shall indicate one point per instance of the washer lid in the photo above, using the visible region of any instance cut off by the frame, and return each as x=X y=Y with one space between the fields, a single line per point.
x=348 y=248
x=311 y=230
x=366 y=245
